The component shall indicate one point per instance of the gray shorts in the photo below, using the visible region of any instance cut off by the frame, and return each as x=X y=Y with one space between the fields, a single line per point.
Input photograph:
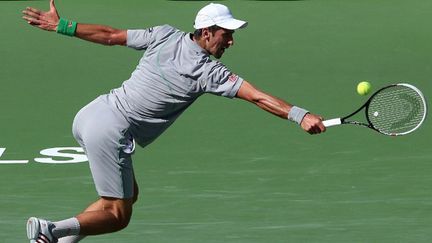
x=104 y=135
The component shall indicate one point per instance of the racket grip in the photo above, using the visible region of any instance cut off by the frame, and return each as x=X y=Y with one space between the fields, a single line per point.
x=332 y=122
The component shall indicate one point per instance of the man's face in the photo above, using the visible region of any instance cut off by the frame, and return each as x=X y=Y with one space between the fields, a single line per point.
x=218 y=41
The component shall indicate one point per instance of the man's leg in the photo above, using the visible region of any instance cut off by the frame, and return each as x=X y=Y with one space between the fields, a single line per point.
x=114 y=215
x=99 y=205
x=103 y=134
x=107 y=215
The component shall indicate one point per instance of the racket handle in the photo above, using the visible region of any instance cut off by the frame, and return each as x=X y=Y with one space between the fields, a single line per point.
x=332 y=122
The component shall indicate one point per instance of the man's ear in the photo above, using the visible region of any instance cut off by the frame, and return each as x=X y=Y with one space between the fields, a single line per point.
x=205 y=33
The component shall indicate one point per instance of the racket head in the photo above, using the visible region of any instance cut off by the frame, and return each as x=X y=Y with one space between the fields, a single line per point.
x=396 y=110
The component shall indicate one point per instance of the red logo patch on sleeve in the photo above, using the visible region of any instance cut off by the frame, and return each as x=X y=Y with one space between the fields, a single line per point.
x=233 y=77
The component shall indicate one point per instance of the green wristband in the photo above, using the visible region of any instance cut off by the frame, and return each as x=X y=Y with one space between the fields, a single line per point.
x=66 y=27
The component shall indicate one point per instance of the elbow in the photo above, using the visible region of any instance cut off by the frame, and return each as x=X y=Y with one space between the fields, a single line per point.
x=115 y=37
x=114 y=40
x=110 y=42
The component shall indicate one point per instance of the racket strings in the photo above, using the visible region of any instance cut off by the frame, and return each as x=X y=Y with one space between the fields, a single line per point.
x=396 y=110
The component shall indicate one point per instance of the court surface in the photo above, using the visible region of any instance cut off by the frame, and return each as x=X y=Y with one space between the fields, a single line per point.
x=227 y=171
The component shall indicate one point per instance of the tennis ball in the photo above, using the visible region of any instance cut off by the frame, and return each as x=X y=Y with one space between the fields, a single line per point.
x=363 y=88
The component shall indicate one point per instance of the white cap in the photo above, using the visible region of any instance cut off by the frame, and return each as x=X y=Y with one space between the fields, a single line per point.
x=217 y=14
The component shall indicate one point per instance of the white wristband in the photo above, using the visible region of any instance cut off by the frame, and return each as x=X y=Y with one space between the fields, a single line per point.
x=296 y=114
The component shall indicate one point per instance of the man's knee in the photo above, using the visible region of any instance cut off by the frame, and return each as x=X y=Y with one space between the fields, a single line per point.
x=136 y=192
x=121 y=209
x=135 y=198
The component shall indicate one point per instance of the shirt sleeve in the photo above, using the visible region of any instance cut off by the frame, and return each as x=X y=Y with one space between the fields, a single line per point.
x=221 y=81
x=140 y=39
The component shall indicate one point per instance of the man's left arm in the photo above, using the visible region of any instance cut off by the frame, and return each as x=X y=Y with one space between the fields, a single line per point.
x=310 y=123
x=50 y=21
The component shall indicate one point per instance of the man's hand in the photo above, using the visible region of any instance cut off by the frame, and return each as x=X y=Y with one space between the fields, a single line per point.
x=43 y=20
x=312 y=124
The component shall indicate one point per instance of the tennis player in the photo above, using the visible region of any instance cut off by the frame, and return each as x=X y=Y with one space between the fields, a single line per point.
x=175 y=70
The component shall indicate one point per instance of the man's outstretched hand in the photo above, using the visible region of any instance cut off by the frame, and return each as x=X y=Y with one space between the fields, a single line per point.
x=43 y=20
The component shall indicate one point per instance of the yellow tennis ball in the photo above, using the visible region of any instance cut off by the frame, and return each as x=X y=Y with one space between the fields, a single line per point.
x=363 y=88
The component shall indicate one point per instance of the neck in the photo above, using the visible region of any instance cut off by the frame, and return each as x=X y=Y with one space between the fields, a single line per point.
x=200 y=42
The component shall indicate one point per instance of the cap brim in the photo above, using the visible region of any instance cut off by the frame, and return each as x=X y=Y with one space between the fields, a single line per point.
x=233 y=24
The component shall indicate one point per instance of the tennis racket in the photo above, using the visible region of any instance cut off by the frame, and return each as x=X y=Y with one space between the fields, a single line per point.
x=394 y=110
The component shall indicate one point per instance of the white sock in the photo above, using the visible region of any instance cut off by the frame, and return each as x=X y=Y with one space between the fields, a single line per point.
x=71 y=239
x=66 y=227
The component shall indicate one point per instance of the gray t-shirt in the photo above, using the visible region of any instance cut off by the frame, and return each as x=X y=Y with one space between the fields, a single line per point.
x=173 y=72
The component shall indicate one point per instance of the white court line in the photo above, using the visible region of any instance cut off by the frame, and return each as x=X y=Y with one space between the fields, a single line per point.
x=11 y=161
x=14 y=161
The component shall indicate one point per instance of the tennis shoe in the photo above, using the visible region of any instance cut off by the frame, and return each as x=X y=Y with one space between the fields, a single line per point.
x=40 y=231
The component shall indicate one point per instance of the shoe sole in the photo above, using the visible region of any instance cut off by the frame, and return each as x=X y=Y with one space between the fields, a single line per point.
x=33 y=228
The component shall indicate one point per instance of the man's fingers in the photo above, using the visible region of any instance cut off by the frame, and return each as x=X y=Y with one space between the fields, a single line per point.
x=321 y=124
x=29 y=19
x=321 y=127
x=313 y=124
x=33 y=21
x=316 y=129
x=36 y=11
x=313 y=131
x=31 y=14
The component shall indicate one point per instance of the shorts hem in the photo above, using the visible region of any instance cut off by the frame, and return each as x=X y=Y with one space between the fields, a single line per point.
x=111 y=195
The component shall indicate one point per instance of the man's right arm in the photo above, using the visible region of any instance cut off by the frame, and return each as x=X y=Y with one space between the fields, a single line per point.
x=100 y=34
x=310 y=123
